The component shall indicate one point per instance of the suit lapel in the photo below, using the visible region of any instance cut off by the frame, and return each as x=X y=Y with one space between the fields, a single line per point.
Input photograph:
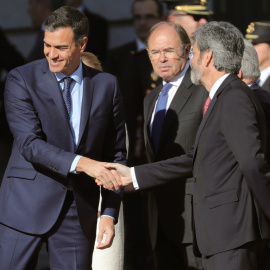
x=52 y=87
x=209 y=110
x=179 y=100
x=88 y=89
x=148 y=115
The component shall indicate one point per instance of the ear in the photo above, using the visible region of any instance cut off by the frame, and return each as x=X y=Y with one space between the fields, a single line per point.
x=83 y=43
x=202 y=21
x=240 y=74
x=187 y=50
x=208 y=57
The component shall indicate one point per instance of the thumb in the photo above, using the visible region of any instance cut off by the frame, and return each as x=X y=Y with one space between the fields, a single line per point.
x=100 y=235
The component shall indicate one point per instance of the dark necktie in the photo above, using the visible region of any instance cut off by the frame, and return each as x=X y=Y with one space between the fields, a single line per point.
x=66 y=94
x=206 y=105
x=160 y=115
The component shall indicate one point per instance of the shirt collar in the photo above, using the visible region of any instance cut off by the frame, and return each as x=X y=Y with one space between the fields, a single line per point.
x=178 y=79
x=77 y=75
x=217 y=84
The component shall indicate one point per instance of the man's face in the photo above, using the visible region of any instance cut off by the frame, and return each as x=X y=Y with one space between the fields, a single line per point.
x=61 y=52
x=35 y=10
x=186 y=21
x=263 y=51
x=165 y=39
x=145 y=15
x=196 y=67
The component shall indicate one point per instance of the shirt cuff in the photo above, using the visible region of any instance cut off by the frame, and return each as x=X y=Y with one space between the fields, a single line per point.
x=74 y=165
x=107 y=216
x=134 y=179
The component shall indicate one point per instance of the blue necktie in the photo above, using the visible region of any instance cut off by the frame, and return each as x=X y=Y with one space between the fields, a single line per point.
x=66 y=94
x=160 y=115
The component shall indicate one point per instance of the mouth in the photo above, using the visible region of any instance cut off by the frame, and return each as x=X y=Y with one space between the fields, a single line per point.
x=54 y=62
x=164 y=68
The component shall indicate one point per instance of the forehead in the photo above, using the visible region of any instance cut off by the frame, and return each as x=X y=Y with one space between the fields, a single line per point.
x=62 y=35
x=165 y=35
x=145 y=7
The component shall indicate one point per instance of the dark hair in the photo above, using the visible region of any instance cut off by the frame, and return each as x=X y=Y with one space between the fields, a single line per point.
x=179 y=30
x=158 y=3
x=68 y=17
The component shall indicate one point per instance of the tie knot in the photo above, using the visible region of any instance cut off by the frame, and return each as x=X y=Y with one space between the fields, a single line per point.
x=166 y=88
x=67 y=82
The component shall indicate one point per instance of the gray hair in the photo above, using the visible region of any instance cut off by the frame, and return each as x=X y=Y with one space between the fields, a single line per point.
x=225 y=41
x=68 y=17
x=179 y=30
x=250 y=62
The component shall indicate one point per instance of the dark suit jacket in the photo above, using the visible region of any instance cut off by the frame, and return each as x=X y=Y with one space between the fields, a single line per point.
x=36 y=179
x=98 y=35
x=231 y=199
x=266 y=84
x=171 y=203
x=264 y=98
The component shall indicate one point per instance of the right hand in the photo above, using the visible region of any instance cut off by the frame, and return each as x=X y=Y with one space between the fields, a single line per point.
x=122 y=175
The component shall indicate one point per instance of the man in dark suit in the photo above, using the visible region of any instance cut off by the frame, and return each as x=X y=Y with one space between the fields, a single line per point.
x=63 y=116
x=231 y=191
x=170 y=205
x=38 y=11
x=98 y=30
x=258 y=33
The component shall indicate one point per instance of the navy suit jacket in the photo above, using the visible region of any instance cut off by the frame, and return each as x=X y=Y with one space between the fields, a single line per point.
x=36 y=179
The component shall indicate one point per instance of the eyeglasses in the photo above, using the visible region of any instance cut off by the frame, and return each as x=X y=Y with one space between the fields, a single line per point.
x=154 y=55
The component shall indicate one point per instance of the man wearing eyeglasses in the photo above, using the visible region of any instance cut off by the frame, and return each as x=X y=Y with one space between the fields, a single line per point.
x=168 y=47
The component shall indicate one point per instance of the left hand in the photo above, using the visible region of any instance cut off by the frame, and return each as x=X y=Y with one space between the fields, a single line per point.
x=106 y=231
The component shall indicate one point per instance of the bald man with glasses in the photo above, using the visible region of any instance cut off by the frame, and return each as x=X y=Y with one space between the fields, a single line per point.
x=172 y=113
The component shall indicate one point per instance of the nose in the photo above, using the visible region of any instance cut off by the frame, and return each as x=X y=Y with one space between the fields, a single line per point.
x=162 y=57
x=52 y=52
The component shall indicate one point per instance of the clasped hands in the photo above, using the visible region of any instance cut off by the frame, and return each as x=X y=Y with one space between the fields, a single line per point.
x=109 y=175
x=116 y=175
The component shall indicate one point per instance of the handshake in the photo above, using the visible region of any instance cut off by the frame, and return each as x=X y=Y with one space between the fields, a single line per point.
x=114 y=176
x=109 y=175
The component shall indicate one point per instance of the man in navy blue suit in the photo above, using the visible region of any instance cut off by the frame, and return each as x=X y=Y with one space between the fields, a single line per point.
x=65 y=119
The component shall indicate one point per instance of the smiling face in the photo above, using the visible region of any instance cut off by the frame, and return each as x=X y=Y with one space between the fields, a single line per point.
x=165 y=38
x=62 y=53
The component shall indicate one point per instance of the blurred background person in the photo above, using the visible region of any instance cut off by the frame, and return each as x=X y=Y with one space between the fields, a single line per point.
x=113 y=257
x=190 y=14
x=98 y=30
x=258 y=33
x=38 y=11
x=131 y=65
